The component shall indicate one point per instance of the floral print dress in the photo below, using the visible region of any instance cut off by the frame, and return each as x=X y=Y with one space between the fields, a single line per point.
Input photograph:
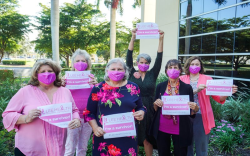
x=106 y=100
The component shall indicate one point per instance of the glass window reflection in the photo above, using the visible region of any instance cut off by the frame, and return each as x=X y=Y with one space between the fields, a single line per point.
x=182 y=28
x=191 y=8
x=209 y=22
x=225 y=3
x=190 y=45
x=223 y=66
x=243 y=15
x=241 y=66
x=209 y=64
x=183 y=10
x=225 y=42
x=208 y=44
x=210 y=5
x=226 y=19
x=242 y=41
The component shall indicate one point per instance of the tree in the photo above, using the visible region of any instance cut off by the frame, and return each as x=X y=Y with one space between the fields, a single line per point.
x=13 y=26
x=79 y=28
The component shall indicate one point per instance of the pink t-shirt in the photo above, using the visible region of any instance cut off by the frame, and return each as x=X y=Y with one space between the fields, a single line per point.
x=37 y=138
x=167 y=125
x=81 y=98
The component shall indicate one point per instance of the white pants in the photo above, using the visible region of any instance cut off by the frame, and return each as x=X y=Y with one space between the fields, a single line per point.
x=77 y=140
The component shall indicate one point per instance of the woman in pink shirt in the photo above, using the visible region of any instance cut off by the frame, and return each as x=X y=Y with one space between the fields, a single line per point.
x=204 y=120
x=179 y=127
x=77 y=139
x=34 y=136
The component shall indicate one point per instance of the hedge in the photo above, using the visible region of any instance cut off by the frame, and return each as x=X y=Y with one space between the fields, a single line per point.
x=14 y=62
x=6 y=74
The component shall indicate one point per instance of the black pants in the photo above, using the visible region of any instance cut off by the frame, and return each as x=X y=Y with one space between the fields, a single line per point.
x=18 y=152
x=164 y=143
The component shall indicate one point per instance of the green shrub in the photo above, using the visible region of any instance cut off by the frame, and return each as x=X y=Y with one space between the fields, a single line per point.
x=246 y=117
x=9 y=88
x=217 y=109
x=6 y=74
x=226 y=136
x=7 y=142
x=14 y=62
x=161 y=78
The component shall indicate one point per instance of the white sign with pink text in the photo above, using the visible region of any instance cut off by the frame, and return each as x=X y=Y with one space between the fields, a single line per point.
x=222 y=87
x=77 y=79
x=119 y=125
x=175 y=105
x=147 y=30
x=57 y=114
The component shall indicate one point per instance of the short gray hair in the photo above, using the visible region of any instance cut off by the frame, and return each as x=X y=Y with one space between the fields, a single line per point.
x=116 y=60
x=145 y=56
x=82 y=53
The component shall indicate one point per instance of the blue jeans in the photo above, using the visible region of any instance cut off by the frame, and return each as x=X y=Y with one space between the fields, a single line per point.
x=200 y=139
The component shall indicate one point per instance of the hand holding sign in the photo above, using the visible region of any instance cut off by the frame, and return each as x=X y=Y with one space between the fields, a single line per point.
x=34 y=113
x=98 y=131
x=235 y=89
x=139 y=115
x=147 y=30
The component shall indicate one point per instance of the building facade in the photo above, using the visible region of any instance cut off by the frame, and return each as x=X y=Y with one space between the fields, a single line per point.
x=216 y=30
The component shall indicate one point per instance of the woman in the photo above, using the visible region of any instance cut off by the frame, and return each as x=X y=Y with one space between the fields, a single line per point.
x=178 y=126
x=204 y=120
x=114 y=95
x=146 y=80
x=77 y=139
x=33 y=135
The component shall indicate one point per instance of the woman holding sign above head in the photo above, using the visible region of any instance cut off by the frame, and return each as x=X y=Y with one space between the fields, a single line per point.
x=33 y=135
x=112 y=107
x=173 y=119
x=77 y=139
x=204 y=120
x=146 y=80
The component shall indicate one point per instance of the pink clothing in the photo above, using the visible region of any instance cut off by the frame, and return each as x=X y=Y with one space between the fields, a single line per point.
x=81 y=98
x=167 y=125
x=77 y=140
x=204 y=101
x=37 y=138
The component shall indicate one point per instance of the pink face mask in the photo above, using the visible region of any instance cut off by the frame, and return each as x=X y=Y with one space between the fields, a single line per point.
x=194 y=69
x=80 y=66
x=116 y=75
x=47 y=78
x=173 y=73
x=143 y=67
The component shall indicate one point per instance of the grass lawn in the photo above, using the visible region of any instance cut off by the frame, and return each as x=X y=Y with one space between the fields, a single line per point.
x=29 y=63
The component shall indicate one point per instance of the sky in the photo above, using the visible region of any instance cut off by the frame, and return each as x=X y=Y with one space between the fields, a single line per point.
x=31 y=8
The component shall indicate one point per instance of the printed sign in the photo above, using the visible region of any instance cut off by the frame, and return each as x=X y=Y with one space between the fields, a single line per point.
x=175 y=105
x=119 y=125
x=57 y=114
x=77 y=79
x=147 y=30
x=219 y=87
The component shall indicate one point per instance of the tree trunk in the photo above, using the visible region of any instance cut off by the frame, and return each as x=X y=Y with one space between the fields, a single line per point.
x=1 y=55
x=67 y=60
x=55 y=29
x=188 y=28
x=112 y=32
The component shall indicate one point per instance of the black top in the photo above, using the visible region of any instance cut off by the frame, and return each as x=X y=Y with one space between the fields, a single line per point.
x=147 y=86
x=185 y=123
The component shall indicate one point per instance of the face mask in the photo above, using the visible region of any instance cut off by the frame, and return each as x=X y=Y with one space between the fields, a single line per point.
x=194 y=69
x=116 y=75
x=47 y=78
x=173 y=73
x=80 y=66
x=143 y=67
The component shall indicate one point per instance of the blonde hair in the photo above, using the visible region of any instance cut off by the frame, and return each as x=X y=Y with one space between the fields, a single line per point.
x=116 y=60
x=82 y=53
x=34 y=72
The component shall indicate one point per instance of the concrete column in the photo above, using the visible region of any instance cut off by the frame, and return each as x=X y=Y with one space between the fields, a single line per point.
x=166 y=14
x=55 y=29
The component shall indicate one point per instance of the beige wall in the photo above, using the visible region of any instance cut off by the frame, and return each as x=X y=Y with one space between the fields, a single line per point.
x=166 y=15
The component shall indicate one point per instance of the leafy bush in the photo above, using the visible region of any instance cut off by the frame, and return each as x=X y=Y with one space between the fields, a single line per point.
x=161 y=78
x=217 y=109
x=7 y=142
x=14 y=62
x=6 y=74
x=246 y=117
x=226 y=136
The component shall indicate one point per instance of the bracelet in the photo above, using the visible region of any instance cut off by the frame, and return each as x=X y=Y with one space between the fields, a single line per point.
x=25 y=119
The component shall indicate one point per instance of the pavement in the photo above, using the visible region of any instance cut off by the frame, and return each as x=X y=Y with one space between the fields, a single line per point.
x=19 y=71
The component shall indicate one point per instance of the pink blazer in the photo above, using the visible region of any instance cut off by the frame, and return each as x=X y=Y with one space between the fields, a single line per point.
x=204 y=101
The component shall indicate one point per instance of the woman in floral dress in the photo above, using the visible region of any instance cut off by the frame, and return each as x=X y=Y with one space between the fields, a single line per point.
x=114 y=95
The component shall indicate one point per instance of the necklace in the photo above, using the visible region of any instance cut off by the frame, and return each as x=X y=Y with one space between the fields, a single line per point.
x=176 y=91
